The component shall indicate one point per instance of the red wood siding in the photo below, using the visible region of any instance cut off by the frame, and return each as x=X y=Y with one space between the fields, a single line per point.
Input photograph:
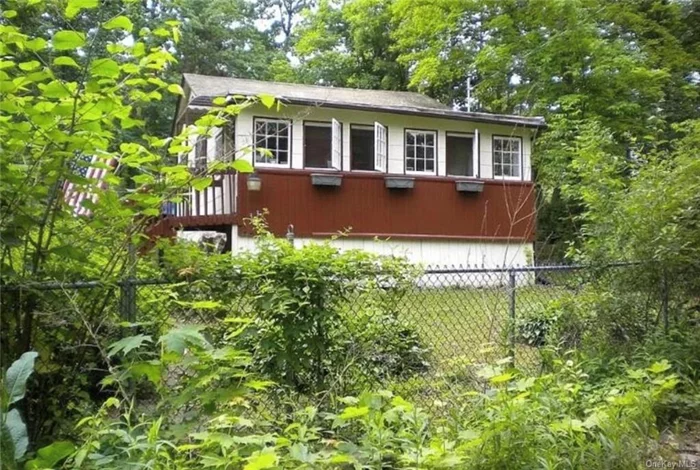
x=504 y=211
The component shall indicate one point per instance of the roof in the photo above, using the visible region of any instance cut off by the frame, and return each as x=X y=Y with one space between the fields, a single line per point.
x=204 y=88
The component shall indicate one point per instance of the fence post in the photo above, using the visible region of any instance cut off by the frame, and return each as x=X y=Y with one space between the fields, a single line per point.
x=511 y=311
x=664 y=299
x=127 y=297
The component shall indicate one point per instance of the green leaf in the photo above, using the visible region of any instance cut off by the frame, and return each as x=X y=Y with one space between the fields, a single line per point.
x=352 y=412
x=67 y=40
x=29 y=66
x=151 y=370
x=120 y=22
x=36 y=44
x=176 y=89
x=128 y=344
x=262 y=461
x=74 y=6
x=66 y=61
x=243 y=166
x=177 y=339
x=9 y=13
x=17 y=375
x=49 y=456
x=201 y=183
x=659 y=367
x=267 y=100
x=107 y=68
x=56 y=89
x=14 y=427
x=501 y=378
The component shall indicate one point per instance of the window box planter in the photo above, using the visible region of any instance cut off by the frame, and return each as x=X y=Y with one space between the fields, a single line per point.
x=399 y=182
x=469 y=186
x=324 y=179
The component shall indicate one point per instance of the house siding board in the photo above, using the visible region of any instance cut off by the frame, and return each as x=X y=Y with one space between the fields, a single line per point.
x=432 y=209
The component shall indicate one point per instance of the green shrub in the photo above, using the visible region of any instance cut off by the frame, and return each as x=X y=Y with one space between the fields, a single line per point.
x=559 y=420
x=317 y=316
x=533 y=328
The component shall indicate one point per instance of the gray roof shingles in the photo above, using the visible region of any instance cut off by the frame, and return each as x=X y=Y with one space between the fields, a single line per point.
x=204 y=88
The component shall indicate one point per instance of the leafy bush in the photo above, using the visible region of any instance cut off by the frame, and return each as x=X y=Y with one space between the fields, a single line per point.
x=534 y=326
x=561 y=420
x=317 y=316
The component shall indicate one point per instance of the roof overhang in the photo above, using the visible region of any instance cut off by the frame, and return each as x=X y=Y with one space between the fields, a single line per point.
x=504 y=119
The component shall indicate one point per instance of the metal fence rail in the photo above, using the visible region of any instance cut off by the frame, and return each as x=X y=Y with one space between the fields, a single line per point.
x=456 y=319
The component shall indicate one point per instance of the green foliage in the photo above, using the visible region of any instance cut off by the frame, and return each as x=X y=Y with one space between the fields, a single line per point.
x=14 y=440
x=562 y=418
x=350 y=46
x=304 y=328
x=71 y=96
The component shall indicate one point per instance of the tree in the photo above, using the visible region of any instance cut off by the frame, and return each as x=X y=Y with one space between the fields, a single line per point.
x=72 y=100
x=220 y=37
x=350 y=46
x=627 y=66
x=283 y=16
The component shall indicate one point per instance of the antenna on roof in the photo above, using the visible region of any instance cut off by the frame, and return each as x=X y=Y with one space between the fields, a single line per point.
x=469 y=94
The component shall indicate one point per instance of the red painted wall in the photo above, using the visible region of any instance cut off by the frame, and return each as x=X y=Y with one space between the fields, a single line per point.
x=432 y=209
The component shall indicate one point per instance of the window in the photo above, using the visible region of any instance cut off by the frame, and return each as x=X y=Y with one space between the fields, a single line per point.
x=317 y=145
x=420 y=151
x=272 y=142
x=362 y=148
x=506 y=157
x=200 y=152
x=460 y=154
x=229 y=141
x=219 y=144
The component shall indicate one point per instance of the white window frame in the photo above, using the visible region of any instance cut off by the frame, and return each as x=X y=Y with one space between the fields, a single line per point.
x=336 y=145
x=415 y=132
x=475 y=151
x=381 y=148
x=263 y=164
x=519 y=154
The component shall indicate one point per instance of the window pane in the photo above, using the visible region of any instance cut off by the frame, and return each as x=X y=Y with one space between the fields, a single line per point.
x=317 y=146
x=497 y=144
x=430 y=140
x=420 y=165
x=361 y=149
x=410 y=164
x=430 y=153
x=515 y=145
x=460 y=151
x=420 y=152
x=410 y=138
x=497 y=169
x=430 y=165
x=282 y=143
x=410 y=152
x=420 y=139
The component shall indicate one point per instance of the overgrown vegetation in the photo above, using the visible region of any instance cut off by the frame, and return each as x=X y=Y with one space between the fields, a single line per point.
x=83 y=80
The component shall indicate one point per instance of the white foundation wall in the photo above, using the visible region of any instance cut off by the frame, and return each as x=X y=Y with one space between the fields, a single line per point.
x=429 y=253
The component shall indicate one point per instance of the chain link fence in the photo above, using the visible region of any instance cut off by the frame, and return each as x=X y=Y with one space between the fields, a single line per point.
x=427 y=342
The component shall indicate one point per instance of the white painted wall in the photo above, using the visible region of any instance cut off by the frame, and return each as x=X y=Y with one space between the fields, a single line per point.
x=427 y=252
x=396 y=123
